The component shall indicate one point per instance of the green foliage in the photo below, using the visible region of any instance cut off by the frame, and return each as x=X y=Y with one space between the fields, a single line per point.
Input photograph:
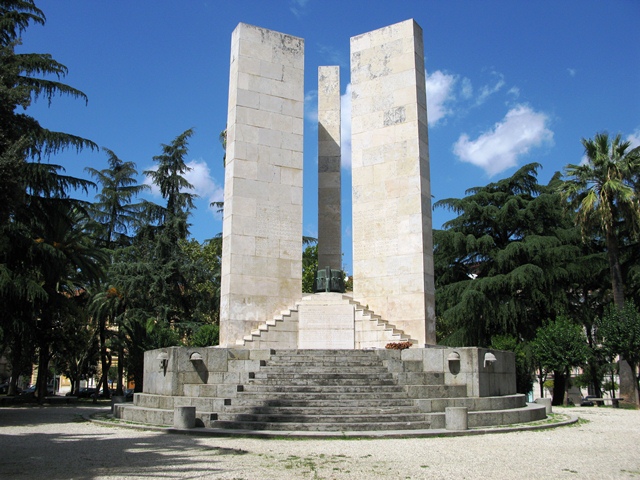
x=619 y=333
x=309 y=268
x=559 y=346
x=206 y=336
x=45 y=252
x=204 y=277
x=506 y=262
x=604 y=193
x=114 y=209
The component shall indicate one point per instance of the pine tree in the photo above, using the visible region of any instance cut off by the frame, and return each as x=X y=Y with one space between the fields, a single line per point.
x=506 y=262
x=118 y=217
x=31 y=192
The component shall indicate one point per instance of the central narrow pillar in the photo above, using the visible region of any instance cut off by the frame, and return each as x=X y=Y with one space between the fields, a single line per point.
x=329 y=204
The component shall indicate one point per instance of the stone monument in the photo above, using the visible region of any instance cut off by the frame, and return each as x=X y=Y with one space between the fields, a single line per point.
x=262 y=224
x=392 y=242
x=329 y=168
x=320 y=365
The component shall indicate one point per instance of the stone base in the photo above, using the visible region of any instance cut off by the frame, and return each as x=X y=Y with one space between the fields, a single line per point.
x=343 y=389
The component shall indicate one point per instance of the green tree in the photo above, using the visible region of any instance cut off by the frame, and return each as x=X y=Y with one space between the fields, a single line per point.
x=203 y=274
x=604 y=193
x=506 y=262
x=168 y=286
x=152 y=276
x=619 y=334
x=21 y=136
x=557 y=347
x=206 y=336
x=68 y=263
x=76 y=349
x=117 y=215
x=31 y=191
x=309 y=268
x=114 y=208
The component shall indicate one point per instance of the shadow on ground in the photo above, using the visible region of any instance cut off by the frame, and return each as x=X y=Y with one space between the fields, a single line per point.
x=58 y=443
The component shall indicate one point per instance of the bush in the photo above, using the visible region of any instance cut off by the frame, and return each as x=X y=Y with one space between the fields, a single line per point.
x=397 y=345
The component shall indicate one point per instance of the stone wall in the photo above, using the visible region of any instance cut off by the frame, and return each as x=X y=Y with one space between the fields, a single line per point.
x=392 y=244
x=262 y=225
x=222 y=369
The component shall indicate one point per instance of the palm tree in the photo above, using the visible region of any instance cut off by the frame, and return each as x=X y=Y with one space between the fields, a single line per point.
x=67 y=262
x=603 y=192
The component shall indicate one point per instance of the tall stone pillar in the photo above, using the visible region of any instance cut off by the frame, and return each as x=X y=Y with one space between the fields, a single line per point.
x=392 y=238
x=262 y=225
x=329 y=204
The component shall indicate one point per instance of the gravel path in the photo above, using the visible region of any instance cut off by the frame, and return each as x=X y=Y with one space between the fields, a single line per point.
x=57 y=443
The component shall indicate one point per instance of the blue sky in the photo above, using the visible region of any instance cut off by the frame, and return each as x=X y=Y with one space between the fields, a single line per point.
x=508 y=82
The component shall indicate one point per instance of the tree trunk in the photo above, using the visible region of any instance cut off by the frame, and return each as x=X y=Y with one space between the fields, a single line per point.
x=628 y=379
x=559 y=387
x=617 y=285
x=43 y=371
x=541 y=378
x=628 y=383
x=16 y=362
x=137 y=369
x=104 y=360
x=592 y=365
x=119 y=388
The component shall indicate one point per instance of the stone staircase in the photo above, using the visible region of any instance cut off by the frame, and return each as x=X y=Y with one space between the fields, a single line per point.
x=371 y=329
x=352 y=391
x=328 y=390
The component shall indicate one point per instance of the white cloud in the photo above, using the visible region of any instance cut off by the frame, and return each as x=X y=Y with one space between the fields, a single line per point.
x=311 y=106
x=487 y=90
x=467 y=89
x=571 y=71
x=297 y=7
x=439 y=93
x=514 y=91
x=345 y=128
x=204 y=185
x=634 y=138
x=494 y=151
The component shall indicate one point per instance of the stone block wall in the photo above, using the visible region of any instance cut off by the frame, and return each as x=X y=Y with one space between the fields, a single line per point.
x=262 y=224
x=391 y=197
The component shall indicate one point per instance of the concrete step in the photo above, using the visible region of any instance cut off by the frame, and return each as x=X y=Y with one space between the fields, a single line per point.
x=339 y=419
x=529 y=413
x=308 y=410
x=325 y=380
x=326 y=390
x=311 y=401
x=324 y=367
x=313 y=398
x=321 y=426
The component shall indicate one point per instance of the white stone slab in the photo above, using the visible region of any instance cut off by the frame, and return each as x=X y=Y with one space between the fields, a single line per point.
x=326 y=326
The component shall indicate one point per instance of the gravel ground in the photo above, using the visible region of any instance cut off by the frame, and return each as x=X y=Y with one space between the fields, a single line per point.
x=57 y=442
